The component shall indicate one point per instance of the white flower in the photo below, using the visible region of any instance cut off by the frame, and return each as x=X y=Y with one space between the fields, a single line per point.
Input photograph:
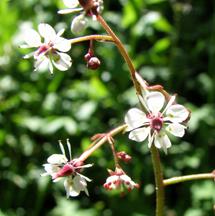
x=59 y=167
x=119 y=180
x=79 y=23
x=157 y=120
x=51 y=50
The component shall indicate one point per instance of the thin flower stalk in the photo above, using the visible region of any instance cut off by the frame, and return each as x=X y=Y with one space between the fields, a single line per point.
x=180 y=179
x=100 y=38
x=159 y=186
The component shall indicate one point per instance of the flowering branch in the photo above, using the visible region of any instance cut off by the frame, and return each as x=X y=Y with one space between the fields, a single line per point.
x=103 y=140
x=101 y=38
x=152 y=122
x=158 y=181
x=179 y=179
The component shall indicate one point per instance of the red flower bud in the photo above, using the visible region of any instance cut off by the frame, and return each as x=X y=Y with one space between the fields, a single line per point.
x=123 y=156
x=93 y=63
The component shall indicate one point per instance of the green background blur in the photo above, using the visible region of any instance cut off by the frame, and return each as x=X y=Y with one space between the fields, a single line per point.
x=171 y=43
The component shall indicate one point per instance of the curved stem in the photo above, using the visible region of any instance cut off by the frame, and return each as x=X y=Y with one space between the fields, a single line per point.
x=158 y=181
x=92 y=37
x=103 y=140
x=122 y=51
x=179 y=179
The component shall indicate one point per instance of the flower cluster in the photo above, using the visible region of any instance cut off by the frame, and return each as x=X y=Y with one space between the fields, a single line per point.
x=119 y=180
x=51 y=51
x=59 y=167
x=157 y=121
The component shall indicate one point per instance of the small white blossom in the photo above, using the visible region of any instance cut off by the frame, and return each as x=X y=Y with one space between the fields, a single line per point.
x=51 y=48
x=118 y=180
x=79 y=23
x=157 y=121
x=59 y=166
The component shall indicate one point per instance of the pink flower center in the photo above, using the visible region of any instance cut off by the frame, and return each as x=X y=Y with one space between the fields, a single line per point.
x=65 y=171
x=44 y=48
x=156 y=122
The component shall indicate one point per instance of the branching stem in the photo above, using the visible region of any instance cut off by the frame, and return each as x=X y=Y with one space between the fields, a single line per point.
x=179 y=179
x=103 y=140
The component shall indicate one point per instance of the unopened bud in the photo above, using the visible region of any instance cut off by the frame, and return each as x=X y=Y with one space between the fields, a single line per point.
x=79 y=23
x=93 y=63
x=123 y=156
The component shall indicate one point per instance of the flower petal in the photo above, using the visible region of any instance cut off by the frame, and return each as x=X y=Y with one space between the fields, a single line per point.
x=162 y=141
x=57 y=159
x=135 y=118
x=71 y=3
x=50 y=169
x=62 y=44
x=176 y=129
x=155 y=101
x=142 y=82
x=139 y=134
x=170 y=102
x=143 y=101
x=177 y=113
x=69 y=10
x=78 y=24
x=40 y=62
x=47 y=32
x=32 y=38
x=70 y=189
x=80 y=184
x=84 y=177
x=59 y=33
x=29 y=55
x=51 y=68
x=150 y=139
x=64 y=62
x=125 y=178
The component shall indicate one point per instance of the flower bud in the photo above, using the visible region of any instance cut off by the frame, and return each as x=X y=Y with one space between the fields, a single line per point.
x=78 y=24
x=123 y=156
x=93 y=63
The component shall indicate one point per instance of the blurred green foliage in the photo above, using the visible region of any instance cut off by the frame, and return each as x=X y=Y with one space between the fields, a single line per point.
x=170 y=42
